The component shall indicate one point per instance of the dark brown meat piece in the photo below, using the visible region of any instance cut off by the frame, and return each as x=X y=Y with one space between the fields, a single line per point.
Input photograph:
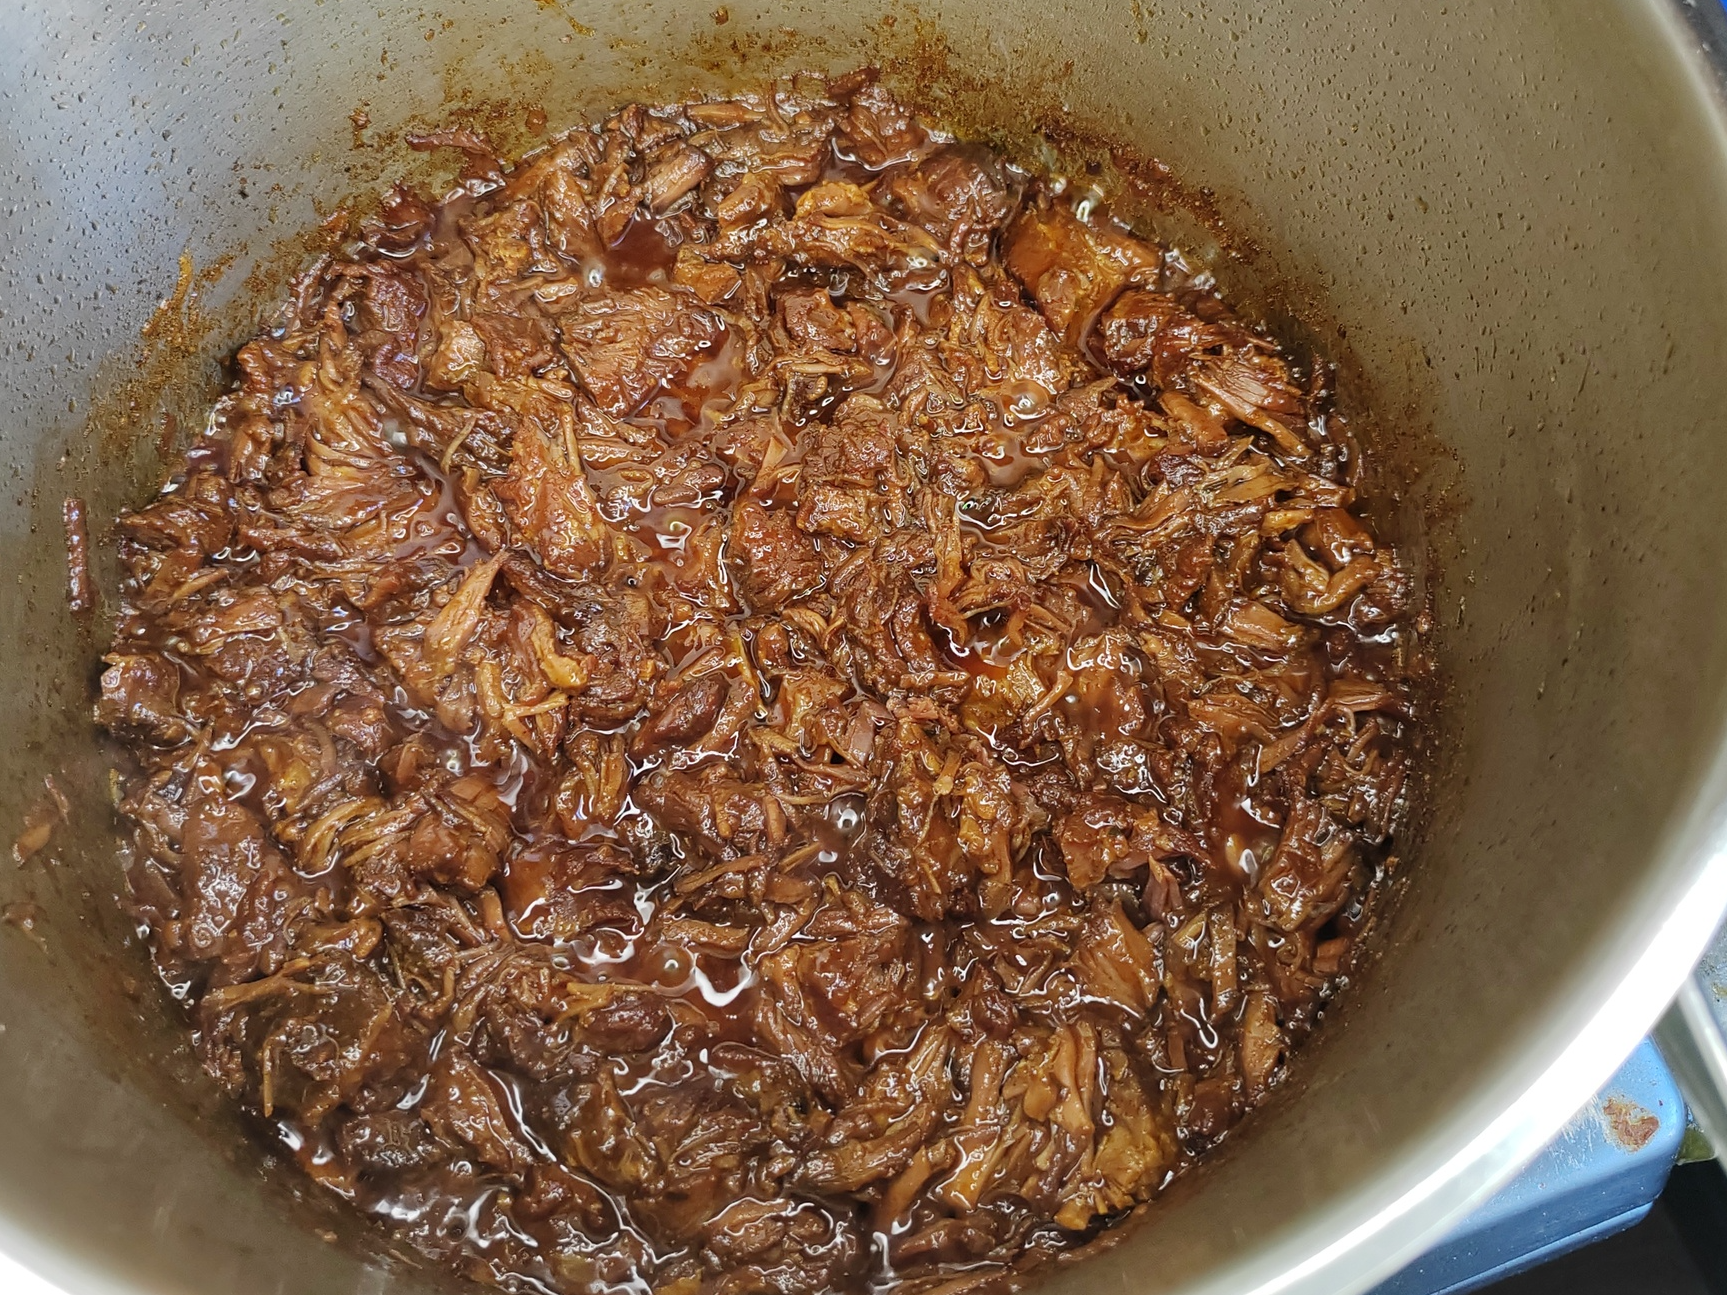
x=878 y=130
x=672 y=175
x=560 y=892
x=812 y=319
x=388 y=1142
x=625 y=345
x=757 y=695
x=778 y=562
x=1149 y=332
x=550 y=505
x=687 y=715
x=141 y=698
x=1073 y=268
x=959 y=195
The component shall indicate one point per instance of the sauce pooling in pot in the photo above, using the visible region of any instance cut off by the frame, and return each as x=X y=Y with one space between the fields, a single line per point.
x=756 y=702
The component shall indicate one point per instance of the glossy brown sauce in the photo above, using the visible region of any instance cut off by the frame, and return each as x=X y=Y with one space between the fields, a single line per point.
x=756 y=702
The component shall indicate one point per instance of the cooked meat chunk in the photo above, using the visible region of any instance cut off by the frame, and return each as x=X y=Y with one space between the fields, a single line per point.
x=1149 y=332
x=626 y=345
x=778 y=562
x=1073 y=268
x=878 y=130
x=812 y=319
x=141 y=698
x=757 y=700
x=672 y=175
x=687 y=715
x=959 y=195
x=551 y=507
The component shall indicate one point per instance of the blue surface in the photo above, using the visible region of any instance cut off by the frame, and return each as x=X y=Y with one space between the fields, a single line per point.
x=1599 y=1176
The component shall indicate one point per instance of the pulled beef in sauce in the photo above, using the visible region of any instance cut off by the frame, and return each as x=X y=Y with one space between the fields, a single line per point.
x=757 y=702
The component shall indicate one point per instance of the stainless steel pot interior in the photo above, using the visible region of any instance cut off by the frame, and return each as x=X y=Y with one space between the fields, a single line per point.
x=1510 y=221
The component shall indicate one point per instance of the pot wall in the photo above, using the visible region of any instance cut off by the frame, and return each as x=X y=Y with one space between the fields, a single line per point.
x=1508 y=224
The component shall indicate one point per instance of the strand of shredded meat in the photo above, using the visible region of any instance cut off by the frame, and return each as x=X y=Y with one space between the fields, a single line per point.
x=756 y=702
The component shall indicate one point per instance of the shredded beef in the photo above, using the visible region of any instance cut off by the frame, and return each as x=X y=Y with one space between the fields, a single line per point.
x=757 y=702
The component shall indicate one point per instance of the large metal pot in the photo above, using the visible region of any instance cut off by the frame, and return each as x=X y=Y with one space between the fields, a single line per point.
x=1509 y=223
